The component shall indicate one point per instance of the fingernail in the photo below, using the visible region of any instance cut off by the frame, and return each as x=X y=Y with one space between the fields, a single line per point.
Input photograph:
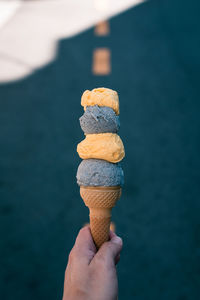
x=117 y=240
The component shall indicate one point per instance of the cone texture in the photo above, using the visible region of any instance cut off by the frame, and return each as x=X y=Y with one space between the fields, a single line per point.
x=100 y=201
x=100 y=227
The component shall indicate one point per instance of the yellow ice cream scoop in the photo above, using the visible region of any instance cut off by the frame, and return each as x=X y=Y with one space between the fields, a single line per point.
x=107 y=146
x=101 y=97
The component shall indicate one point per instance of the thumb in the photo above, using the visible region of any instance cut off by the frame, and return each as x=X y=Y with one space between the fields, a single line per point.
x=110 y=250
x=84 y=248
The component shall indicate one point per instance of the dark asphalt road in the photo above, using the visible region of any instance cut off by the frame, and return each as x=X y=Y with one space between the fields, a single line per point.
x=155 y=68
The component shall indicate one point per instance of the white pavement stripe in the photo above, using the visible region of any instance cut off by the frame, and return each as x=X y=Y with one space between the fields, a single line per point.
x=31 y=36
x=7 y=10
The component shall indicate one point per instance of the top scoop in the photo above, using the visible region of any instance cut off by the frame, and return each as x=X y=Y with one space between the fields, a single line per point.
x=96 y=172
x=101 y=97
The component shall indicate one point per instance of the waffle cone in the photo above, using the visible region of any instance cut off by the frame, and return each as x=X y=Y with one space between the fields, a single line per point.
x=100 y=201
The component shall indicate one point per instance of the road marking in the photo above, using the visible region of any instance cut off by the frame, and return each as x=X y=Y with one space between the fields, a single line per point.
x=101 y=5
x=101 y=61
x=102 y=29
x=37 y=26
x=7 y=10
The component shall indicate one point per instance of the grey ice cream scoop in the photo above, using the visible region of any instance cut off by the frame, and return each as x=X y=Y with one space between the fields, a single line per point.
x=96 y=172
x=98 y=119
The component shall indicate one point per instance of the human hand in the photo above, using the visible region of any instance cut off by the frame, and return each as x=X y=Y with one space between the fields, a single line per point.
x=91 y=274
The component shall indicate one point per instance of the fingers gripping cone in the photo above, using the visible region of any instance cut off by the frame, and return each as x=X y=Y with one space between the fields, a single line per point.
x=100 y=201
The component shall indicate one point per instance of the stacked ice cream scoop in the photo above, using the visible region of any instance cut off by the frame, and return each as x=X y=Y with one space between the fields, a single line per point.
x=100 y=175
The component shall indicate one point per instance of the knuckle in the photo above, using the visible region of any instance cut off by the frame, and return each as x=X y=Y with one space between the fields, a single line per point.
x=71 y=255
x=80 y=235
x=66 y=272
x=83 y=230
x=100 y=260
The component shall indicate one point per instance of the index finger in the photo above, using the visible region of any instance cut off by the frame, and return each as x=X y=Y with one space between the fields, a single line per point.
x=84 y=247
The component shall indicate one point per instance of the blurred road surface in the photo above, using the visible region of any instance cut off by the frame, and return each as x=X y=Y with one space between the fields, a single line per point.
x=155 y=59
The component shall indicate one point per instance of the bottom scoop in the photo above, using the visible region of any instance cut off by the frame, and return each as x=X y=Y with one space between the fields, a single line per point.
x=96 y=172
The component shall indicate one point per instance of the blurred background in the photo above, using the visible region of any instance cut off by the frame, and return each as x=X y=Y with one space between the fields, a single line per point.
x=50 y=52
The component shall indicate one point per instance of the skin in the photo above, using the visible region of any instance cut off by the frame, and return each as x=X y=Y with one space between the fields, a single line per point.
x=91 y=274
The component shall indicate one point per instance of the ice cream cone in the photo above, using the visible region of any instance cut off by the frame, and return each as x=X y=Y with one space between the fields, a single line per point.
x=100 y=201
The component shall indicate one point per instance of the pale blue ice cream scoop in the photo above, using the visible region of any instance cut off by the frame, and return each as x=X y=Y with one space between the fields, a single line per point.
x=97 y=172
x=98 y=119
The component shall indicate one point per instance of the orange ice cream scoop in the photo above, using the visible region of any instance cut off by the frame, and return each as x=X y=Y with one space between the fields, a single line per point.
x=101 y=97
x=106 y=146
